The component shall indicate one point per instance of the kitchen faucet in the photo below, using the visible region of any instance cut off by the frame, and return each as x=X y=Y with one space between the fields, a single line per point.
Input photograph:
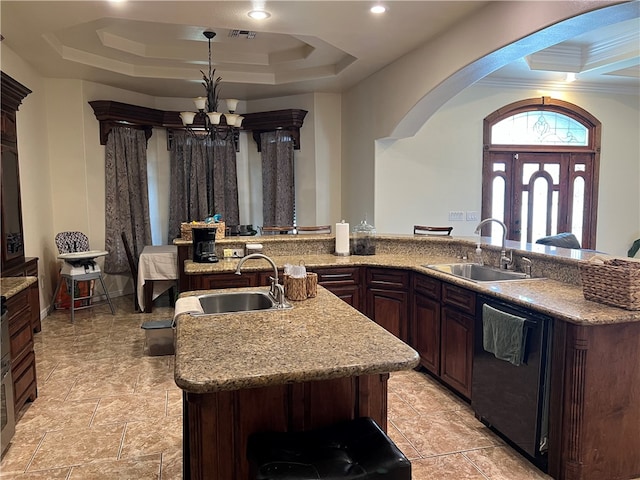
x=276 y=290
x=505 y=262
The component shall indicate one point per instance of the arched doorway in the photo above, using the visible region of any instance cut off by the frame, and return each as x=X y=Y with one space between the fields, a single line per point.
x=540 y=169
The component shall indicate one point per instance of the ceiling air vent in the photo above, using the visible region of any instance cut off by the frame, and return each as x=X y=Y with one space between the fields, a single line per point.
x=242 y=33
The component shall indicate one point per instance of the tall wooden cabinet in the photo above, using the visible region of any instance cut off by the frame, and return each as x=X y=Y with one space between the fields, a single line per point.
x=13 y=262
x=23 y=308
x=12 y=236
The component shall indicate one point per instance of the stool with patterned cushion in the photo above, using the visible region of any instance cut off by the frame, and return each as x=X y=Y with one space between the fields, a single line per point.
x=355 y=449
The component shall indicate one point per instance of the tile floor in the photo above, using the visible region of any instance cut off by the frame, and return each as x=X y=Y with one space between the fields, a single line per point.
x=106 y=411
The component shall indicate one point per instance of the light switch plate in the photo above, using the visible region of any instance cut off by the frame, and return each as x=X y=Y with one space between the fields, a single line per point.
x=456 y=216
x=472 y=216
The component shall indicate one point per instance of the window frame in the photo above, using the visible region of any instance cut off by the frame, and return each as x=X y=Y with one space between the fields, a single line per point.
x=592 y=148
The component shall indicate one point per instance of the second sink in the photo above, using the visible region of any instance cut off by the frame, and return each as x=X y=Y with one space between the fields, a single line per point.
x=236 y=302
x=477 y=273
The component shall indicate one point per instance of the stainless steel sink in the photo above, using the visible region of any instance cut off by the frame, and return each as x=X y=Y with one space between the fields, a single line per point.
x=231 y=302
x=477 y=273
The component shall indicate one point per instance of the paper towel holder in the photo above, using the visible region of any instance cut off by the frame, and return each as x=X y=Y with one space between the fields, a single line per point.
x=342 y=248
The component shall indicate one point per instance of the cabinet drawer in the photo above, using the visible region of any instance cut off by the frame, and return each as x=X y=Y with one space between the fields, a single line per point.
x=31 y=267
x=387 y=278
x=461 y=298
x=426 y=285
x=18 y=309
x=264 y=278
x=21 y=341
x=226 y=280
x=24 y=380
x=338 y=276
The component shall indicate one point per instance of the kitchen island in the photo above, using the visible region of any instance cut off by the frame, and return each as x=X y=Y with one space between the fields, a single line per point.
x=594 y=405
x=285 y=370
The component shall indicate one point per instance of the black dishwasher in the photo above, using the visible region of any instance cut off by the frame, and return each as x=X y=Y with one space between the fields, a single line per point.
x=512 y=397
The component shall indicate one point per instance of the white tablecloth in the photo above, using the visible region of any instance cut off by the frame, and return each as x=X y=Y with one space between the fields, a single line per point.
x=160 y=264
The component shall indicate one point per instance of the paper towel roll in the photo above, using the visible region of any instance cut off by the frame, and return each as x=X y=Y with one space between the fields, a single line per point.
x=342 y=238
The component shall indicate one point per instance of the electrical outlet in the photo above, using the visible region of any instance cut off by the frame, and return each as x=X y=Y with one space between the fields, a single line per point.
x=472 y=216
x=237 y=252
x=456 y=216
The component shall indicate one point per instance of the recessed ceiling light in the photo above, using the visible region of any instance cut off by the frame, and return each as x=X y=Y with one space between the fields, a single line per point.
x=259 y=14
x=378 y=9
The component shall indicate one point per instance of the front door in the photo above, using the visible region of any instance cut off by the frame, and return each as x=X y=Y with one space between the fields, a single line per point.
x=545 y=193
x=540 y=170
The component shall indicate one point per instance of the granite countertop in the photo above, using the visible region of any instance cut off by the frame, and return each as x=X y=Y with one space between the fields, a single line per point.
x=10 y=286
x=318 y=339
x=560 y=300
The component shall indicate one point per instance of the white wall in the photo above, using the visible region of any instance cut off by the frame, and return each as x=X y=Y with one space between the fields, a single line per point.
x=35 y=172
x=400 y=98
x=419 y=180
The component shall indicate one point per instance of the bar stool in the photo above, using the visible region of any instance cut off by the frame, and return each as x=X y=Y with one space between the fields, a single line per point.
x=281 y=230
x=354 y=449
x=80 y=267
x=314 y=229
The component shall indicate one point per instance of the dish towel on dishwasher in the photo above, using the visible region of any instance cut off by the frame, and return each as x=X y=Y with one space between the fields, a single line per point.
x=187 y=305
x=503 y=335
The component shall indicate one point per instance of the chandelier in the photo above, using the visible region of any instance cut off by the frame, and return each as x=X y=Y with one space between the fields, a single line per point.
x=207 y=107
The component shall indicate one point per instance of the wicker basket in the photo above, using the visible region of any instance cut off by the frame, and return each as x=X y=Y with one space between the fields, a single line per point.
x=295 y=288
x=186 y=227
x=615 y=282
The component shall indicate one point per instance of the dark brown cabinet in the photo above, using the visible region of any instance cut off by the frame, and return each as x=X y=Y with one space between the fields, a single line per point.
x=425 y=321
x=23 y=308
x=29 y=269
x=456 y=350
x=224 y=280
x=388 y=299
x=12 y=247
x=456 y=344
x=442 y=320
x=343 y=282
x=23 y=365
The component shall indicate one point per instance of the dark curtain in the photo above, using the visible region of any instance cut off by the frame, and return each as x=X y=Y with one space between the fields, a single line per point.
x=278 y=188
x=203 y=180
x=127 y=197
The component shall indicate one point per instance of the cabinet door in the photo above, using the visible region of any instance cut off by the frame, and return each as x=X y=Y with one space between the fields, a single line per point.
x=344 y=282
x=226 y=280
x=20 y=332
x=425 y=335
x=389 y=308
x=264 y=278
x=11 y=222
x=456 y=350
x=348 y=293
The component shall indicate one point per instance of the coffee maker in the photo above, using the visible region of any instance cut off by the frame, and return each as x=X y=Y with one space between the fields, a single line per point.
x=204 y=244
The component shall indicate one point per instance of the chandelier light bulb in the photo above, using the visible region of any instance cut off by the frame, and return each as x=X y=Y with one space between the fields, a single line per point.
x=200 y=103
x=231 y=118
x=187 y=117
x=214 y=117
x=232 y=103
